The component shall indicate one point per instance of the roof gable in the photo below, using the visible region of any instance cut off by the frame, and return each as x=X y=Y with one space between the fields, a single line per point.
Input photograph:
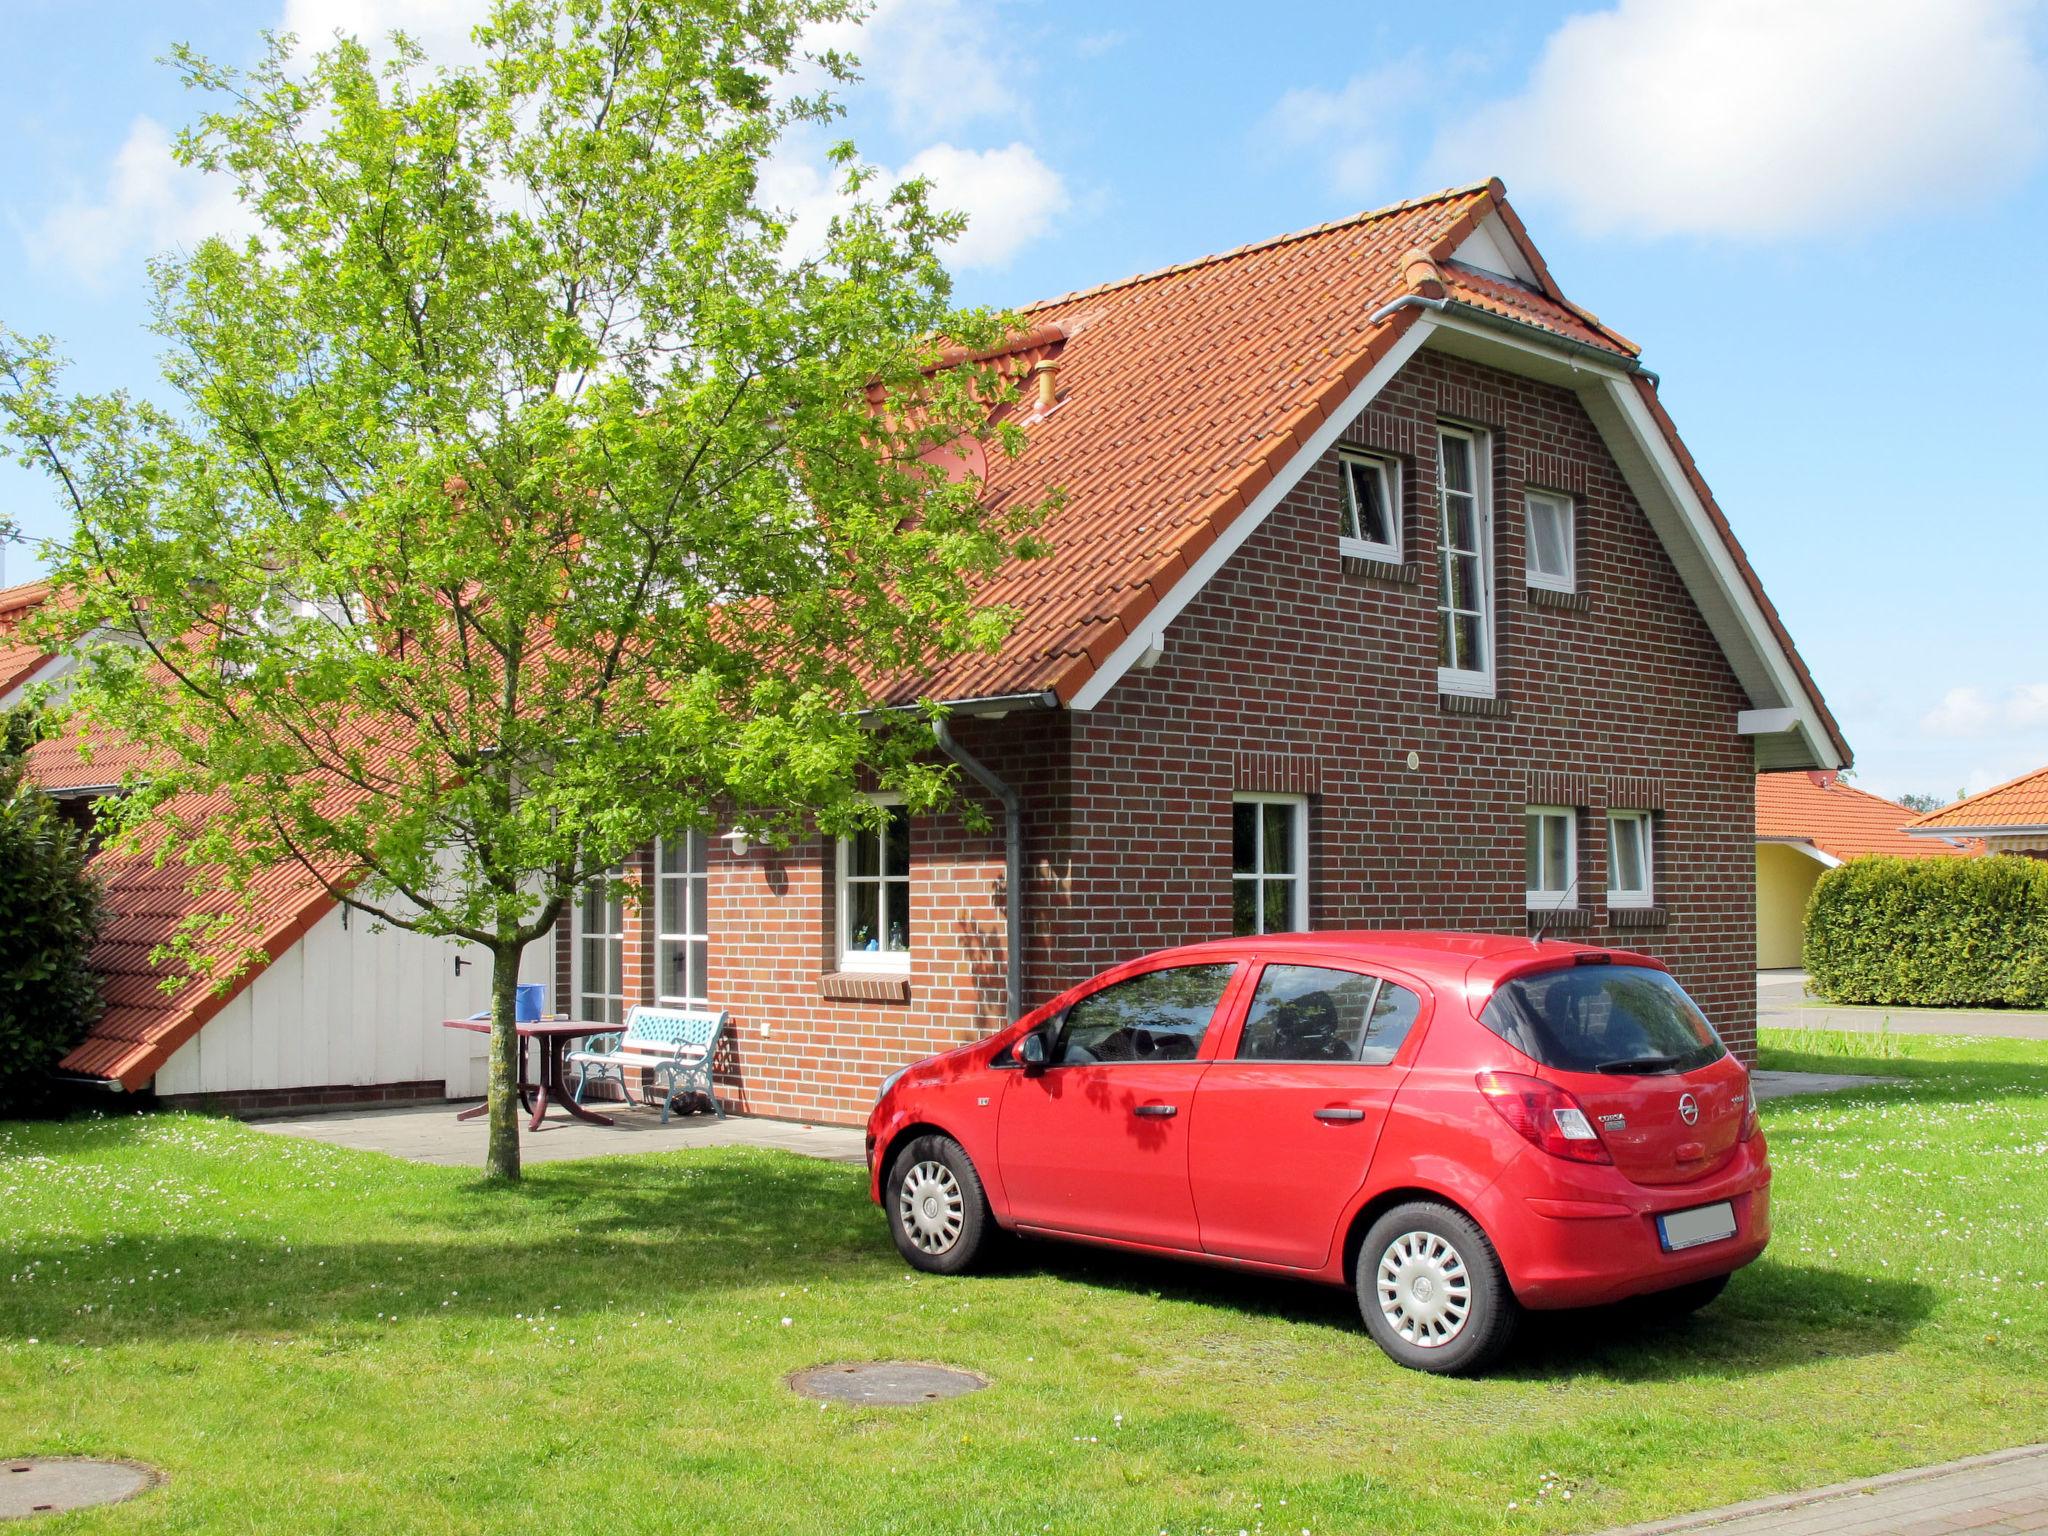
x=2018 y=805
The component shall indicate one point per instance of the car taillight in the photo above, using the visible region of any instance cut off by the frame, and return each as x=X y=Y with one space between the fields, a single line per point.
x=1544 y=1115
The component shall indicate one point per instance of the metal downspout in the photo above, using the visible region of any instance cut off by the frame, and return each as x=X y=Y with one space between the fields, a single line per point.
x=1013 y=861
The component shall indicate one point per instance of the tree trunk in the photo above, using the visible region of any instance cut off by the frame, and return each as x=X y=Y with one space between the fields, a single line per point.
x=501 y=1160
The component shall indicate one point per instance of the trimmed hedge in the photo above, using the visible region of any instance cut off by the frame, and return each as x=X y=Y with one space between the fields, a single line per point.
x=1931 y=933
x=49 y=911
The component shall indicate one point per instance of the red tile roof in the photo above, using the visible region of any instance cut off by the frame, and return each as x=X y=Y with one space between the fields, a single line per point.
x=19 y=659
x=1839 y=819
x=2017 y=804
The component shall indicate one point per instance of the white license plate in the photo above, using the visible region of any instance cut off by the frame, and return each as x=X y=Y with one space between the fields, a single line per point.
x=1701 y=1224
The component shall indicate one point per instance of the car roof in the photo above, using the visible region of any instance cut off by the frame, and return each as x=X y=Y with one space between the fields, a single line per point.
x=1441 y=954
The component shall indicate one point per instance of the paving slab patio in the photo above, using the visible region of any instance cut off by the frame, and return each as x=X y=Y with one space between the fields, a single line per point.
x=430 y=1133
x=2004 y=1493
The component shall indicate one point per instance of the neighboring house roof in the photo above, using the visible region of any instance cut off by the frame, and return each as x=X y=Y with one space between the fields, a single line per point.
x=2018 y=806
x=19 y=660
x=1823 y=813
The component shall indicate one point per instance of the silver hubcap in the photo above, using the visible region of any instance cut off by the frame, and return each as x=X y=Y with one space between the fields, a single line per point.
x=1425 y=1292
x=930 y=1206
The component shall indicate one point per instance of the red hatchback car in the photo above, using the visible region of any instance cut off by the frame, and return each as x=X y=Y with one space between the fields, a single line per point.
x=1459 y=1126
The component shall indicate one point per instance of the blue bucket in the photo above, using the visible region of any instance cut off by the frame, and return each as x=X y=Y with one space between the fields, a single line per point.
x=526 y=1008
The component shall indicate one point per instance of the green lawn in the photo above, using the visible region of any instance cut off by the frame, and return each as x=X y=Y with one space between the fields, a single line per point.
x=307 y=1339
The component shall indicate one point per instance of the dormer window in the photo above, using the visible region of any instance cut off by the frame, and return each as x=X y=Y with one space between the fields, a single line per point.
x=1372 y=508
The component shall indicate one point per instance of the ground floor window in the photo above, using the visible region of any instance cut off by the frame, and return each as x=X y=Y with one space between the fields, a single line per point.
x=682 y=919
x=1269 y=864
x=1552 y=856
x=1630 y=849
x=600 y=972
x=873 y=895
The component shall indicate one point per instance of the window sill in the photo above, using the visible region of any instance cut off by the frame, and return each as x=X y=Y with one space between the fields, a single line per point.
x=1638 y=917
x=1375 y=569
x=1551 y=919
x=1485 y=704
x=1550 y=597
x=865 y=986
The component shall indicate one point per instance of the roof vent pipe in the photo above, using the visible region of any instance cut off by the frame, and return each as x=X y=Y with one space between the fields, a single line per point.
x=1013 y=863
x=1044 y=380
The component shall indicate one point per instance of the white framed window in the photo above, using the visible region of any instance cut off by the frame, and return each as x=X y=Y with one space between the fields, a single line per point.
x=1464 y=564
x=874 y=894
x=598 y=968
x=1552 y=857
x=1372 y=507
x=1552 y=561
x=1268 y=864
x=1631 y=855
x=682 y=919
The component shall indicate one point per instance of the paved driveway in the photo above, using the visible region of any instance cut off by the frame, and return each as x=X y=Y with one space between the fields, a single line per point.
x=1781 y=1003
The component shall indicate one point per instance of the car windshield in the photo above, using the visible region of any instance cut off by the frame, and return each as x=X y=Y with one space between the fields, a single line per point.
x=1603 y=1018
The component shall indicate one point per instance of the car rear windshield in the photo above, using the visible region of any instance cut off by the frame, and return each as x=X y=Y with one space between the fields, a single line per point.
x=1603 y=1018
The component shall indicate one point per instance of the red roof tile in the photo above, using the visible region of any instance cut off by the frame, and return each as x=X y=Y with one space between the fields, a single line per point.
x=1837 y=818
x=2020 y=803
x=19 y=659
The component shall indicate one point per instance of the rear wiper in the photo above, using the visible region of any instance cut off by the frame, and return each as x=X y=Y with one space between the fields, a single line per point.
x=1639 y=1064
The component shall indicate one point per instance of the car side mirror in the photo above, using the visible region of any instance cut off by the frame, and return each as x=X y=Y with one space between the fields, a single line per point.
x=1031 y=1053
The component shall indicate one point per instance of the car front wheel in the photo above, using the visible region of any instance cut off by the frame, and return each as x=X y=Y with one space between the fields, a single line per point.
x=937 y=1211
x=1432 y=1290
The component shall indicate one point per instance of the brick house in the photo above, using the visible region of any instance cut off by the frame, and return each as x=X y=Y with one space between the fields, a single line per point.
x=1385 y=594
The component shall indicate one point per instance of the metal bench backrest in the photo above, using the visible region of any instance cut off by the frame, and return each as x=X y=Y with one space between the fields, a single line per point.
x=689 y=1032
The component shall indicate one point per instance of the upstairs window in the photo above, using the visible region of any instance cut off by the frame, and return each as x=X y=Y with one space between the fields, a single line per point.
x=1372 y=508
x=1269 y=864
x=874 y=895
x=1552 y=857
x=1551 y=559
x=1630 y=849
x=1465 y=566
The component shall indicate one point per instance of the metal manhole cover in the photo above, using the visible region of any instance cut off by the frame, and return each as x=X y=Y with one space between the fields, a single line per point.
x=48 y=1485
x=884 y=1381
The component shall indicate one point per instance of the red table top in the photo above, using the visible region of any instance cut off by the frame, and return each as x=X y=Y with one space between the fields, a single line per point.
x=537 y=1028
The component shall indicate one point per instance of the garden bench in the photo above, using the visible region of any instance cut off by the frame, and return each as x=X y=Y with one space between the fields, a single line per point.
x=673 y=1044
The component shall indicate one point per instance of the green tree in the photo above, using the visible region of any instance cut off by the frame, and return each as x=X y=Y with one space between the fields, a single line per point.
x=49 y=911
x=524 y=493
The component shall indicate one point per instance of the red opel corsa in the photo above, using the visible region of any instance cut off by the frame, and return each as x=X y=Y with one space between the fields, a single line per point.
x=1459 y=1126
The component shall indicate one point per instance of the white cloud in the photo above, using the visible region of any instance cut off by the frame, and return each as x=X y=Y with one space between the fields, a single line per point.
x=937 y=63
x=1765 y=118
x=1350 y=131
x=1970 y=711
x=1010 y=197
x=150 y=204
x=442 y=27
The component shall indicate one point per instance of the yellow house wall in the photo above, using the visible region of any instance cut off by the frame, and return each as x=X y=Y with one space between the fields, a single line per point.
x=1784 y=880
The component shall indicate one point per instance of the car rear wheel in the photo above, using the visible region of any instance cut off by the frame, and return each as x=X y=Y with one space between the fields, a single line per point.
x=1432 y=1291
x=937 y=1211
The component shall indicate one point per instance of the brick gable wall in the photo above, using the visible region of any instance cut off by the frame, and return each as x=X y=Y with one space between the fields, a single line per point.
x=1299 y=672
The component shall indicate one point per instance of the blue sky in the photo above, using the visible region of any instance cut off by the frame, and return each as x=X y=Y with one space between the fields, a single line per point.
x=1825 y=220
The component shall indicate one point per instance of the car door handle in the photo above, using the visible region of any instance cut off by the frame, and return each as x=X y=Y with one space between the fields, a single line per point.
x=1157 y=1111
x=1340 y=1114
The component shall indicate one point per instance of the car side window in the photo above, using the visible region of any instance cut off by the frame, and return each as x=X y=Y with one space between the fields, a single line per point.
x=1159 y=1016
x=1312 y=1013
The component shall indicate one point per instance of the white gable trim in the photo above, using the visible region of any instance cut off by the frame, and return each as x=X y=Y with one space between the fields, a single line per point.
x=1152 y=628
x=1800 y=845
x=52 y=668
x=1492 y=248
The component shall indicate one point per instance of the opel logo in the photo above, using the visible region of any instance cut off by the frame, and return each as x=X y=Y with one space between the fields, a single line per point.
x=1688 y=1109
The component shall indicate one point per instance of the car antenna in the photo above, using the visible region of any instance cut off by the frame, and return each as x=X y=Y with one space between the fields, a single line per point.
x=1550 y=913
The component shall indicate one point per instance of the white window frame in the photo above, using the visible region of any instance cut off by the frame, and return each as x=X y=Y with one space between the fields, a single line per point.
x=1389 y=471
x=672 y=928
x=1568 y=517
x=1545 y=900
x=1478 y=681
x=1299 y=877
x=892 y=961
x=1647 y=822
x=578 y=980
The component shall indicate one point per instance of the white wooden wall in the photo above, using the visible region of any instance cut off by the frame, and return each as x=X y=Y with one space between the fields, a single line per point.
x=347 y=1005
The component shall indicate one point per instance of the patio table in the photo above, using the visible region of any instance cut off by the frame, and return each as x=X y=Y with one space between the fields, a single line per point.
x=552 y=1036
